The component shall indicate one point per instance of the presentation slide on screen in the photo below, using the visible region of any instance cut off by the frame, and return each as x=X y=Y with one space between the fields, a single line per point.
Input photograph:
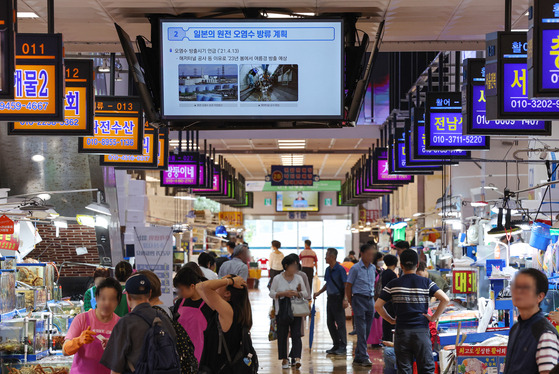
x=297 y=201
x=255 y=69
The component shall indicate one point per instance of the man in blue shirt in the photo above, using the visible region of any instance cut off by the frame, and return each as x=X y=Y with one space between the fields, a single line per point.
x=410 y=295
x=238 y=265
x=335 y=278
x=360 y=292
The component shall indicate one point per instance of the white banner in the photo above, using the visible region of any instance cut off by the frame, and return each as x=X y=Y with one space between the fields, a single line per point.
x=153 y=247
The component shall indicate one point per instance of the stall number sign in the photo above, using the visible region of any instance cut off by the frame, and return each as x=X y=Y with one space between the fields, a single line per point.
x=7 y=49
x=443 y=124
x=183 y=170
x=78 y=105
x=147 y=160
x=38 y=80
x=118 y=127
x=292 y=175
x=464 y=282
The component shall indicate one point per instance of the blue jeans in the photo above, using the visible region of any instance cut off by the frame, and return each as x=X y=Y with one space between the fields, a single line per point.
x=363 y=312
x=410 y=344
x=389 y=360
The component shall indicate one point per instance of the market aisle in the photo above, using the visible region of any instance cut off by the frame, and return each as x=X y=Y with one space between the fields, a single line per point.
x=314 y=361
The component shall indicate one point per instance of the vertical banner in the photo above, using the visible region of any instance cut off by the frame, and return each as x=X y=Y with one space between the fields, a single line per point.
x=154 y=251
x=7 y=49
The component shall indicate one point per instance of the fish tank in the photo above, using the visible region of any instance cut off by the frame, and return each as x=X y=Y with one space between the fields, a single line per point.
x=12 y=337
x=35 y=297
x=8 y=262
x=7 y=291
x=37 y=275
x=60 y=365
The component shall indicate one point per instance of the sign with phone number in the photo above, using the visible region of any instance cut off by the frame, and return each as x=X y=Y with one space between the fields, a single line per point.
x=78 y=105
x=147 y=160
x=38 y=80
x=117 y=127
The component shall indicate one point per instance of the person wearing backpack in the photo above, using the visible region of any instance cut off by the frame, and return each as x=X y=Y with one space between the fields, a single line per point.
x=228 y=345
x=185 y=347
x=144 y=340
x=335 y=277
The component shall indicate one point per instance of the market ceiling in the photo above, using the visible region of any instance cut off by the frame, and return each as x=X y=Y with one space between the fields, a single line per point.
x=411 y=25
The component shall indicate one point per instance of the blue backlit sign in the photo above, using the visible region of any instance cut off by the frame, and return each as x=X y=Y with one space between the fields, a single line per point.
x=515 y=93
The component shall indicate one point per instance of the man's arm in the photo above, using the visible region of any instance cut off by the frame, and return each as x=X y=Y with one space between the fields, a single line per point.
x=348 y=291
x=317 y=294
x=547 y=352
x=443 y=302
x=379 y=307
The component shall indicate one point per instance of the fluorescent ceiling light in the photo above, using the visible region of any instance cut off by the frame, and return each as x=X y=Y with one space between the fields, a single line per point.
x=101 y=221
x=38 y=158
x=292 y=141
x=27 y=15
x=85 y=220
x=60 y=223
x=44 y=196
x=100 y=208
x=418 y=214
x=407 y=219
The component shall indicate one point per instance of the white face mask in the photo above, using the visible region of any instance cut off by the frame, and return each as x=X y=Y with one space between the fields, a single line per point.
x=380 y=264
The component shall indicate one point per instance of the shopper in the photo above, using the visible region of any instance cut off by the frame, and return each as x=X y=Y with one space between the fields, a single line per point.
x=533 y=346
x=390 y=261
x=207 y=265
x=195 y=268
x=401 y=246
x=123 y=271
x=185 y=347
x=275 y=261
x=439 y=281
x=89 y=332
x=125 y=345
x=360 y=292
x=230 y=249
x=99 y=275
x=410 y=296
x=309 y=261
x=351 y=257
x=335 y=278
x=284 y=287
x=229 y=298
x=238 y=265
x=191 y=311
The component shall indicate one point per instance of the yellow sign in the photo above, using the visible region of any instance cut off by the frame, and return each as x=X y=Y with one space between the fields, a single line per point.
x=231 y=218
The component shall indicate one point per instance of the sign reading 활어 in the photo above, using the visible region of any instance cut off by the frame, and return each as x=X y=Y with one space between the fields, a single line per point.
x=118 y=127
x=78 y=105
x=154 y=251
x=38 y=80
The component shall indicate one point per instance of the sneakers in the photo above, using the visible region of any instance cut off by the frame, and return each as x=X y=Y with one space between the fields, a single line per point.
x=366 y=363
x=353 y=333
x=285 y=364
x=331 y=350
x=297 y=364
x=340 y=352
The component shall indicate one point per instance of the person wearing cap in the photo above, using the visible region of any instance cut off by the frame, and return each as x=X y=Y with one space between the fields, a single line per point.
x=410 y=295
x=238 y=265
x=124 y=347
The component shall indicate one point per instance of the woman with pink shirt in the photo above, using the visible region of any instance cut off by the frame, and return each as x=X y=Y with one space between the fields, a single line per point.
x=89 y=332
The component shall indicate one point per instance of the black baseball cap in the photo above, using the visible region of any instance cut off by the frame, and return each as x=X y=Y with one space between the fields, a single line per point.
x=138 y=285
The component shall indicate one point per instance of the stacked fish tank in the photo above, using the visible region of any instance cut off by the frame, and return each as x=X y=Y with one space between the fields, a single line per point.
x=23 y=339
x=7 y=291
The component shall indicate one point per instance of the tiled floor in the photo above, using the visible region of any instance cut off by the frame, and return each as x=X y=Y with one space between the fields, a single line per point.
x=314 y=360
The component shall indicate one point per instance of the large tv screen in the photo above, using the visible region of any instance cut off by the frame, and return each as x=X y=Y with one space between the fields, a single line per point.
x=272 y=69
x=297 y=201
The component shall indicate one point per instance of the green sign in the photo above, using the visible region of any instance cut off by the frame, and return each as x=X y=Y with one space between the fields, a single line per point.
x=327 y=202
x=267 y=202
x=317 y=186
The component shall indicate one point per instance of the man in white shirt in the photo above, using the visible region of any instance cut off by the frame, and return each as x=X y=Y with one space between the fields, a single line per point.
x=207 y=265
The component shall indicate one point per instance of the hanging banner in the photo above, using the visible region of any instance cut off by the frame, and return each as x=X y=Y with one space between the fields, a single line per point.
x=474 y=108
x=147 y=160
x=117 y=127
x=543 y=49
x=443 y=124
x=7 y=50
x=153 y=248
x=506 y=83
x=38 y=80
x=78 y=105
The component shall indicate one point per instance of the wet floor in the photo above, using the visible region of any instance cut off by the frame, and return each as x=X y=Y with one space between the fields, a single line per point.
x=314 y=360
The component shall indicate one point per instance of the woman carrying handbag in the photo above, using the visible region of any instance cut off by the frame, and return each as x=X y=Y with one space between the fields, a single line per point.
x=287 y=290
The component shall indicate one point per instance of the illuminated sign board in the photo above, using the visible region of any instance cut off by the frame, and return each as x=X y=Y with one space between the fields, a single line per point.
x=38 y=80
x=443 y=124
x=163 y=150
x=506 y=83
x=78 y=105
x=251 y=69
x=380 y=171
x=464 y=281
x=395 y=166
x=292 y=175
x=183 y=170
x=147 y=160
x=543 y=49
x=7 y=50
x=117 y=127
x=218 y=185
x=474 y=108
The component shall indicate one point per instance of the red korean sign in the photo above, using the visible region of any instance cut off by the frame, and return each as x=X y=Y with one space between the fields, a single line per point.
x=464 y=281
x=6 y=225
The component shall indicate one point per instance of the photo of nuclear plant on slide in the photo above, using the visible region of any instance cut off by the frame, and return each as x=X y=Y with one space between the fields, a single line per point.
x=208 y=82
